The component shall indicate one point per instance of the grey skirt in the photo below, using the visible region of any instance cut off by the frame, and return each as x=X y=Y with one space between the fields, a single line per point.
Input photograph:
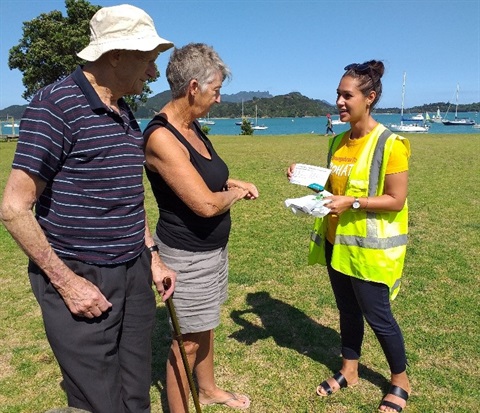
x=201 y=287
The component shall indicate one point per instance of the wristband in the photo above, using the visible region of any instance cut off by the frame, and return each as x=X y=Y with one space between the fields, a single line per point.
x=153 y=248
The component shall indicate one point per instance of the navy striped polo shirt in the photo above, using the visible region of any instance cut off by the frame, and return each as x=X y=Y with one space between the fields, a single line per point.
x=91 y=159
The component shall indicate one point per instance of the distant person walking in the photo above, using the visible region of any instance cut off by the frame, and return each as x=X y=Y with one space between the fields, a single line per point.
x=79 y=162
x=329 y=125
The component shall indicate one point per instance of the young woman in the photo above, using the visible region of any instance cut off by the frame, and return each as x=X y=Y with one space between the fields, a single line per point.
x=362 y=241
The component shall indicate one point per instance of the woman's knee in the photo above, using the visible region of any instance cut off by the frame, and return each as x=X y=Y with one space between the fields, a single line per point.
x=193 y=341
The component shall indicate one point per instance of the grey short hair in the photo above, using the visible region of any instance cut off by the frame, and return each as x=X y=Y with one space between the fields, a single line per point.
x=194 y=61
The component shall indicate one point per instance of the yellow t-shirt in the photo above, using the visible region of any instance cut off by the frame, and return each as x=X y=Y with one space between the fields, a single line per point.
x=342 y=163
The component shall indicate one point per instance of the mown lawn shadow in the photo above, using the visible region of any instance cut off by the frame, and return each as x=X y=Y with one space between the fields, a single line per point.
x=293 y=329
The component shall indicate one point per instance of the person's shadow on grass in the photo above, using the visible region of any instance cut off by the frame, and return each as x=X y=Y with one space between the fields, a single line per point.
x=293 y=329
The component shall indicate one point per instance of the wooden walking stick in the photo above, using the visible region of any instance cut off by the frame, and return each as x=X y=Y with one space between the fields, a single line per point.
x=167 y=282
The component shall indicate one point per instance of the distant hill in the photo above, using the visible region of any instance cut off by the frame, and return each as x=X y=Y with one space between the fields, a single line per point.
x=155 y=103
x=245 y=96
x=290 y=105
x=152 y=105
x=16 y=111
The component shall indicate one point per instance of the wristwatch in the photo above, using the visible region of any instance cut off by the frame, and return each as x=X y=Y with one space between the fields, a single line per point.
x=153 y=248
x=356 y=204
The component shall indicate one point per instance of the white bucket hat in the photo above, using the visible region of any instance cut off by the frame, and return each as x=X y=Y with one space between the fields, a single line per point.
x=122 y=27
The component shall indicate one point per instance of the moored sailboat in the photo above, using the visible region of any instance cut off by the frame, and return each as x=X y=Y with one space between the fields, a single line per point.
x=408 y=127
x=457 y=121
x=206 y=121
x=239 y=123
x=337 y=122
x=257 y=126
x=437 y=118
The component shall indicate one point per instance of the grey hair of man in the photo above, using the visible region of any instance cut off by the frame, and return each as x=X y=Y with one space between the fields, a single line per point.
x=194 y=61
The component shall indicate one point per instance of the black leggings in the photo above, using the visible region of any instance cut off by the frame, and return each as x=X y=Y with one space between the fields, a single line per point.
x=356 y=299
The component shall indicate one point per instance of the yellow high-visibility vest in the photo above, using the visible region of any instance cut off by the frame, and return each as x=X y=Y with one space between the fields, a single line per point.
x=368 y=245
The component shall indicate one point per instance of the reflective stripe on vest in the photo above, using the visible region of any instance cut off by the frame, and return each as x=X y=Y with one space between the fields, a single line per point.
x=317 y=239
x=371 y=242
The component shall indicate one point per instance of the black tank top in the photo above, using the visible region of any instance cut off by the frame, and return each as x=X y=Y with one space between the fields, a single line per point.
x=178 y=226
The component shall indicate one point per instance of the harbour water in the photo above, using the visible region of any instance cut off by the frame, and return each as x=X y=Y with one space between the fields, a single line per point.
x=295 y=126
x=317 y=125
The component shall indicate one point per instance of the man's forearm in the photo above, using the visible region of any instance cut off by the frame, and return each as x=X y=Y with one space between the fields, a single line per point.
x=28 y=234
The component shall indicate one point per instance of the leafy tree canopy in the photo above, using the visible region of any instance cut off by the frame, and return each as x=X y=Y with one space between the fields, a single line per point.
x=47 y=51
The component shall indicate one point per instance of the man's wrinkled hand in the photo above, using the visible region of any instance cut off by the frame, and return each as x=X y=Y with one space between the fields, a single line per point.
x=84 y=299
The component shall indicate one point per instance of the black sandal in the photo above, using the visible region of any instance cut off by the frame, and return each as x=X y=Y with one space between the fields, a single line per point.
x=396 y=391
x=339 y=378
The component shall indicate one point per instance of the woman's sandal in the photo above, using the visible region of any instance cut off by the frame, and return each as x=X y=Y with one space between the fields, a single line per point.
x=340 y=379
x=230 y=401
x=396 y=391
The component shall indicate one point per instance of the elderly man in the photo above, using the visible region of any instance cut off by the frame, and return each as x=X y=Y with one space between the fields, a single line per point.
x=79 y=160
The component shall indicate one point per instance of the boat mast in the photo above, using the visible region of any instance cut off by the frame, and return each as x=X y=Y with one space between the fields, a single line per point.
x=403 y=96
x=456 y=102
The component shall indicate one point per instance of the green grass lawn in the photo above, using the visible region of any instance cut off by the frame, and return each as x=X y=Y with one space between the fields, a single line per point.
x=279 y=333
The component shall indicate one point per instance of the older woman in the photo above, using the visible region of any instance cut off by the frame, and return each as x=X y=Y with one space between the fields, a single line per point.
x=194 y=195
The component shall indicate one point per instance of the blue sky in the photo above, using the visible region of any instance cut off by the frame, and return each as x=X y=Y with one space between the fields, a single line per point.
x=284 y=46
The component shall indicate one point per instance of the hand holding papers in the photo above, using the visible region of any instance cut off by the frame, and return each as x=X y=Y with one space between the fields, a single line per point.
x=314 y=177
